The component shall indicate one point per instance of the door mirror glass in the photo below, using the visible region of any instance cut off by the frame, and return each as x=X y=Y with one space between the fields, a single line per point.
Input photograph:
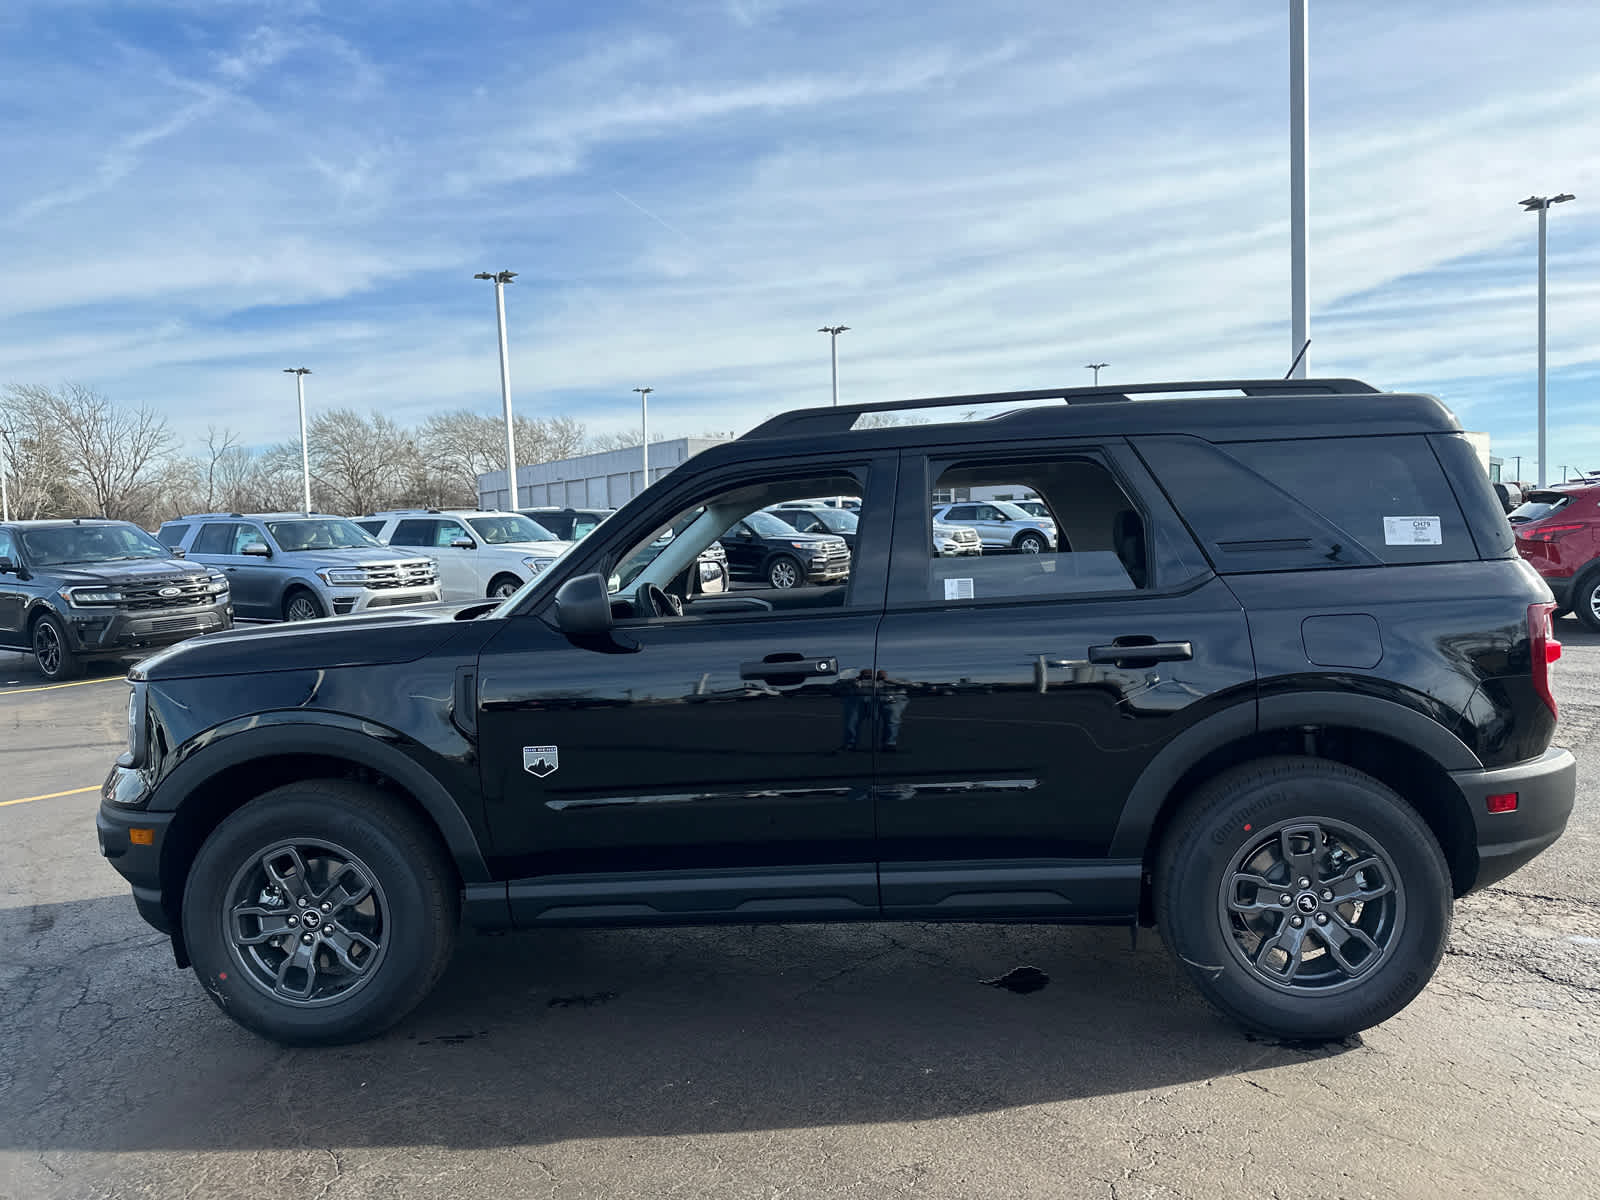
x=7 y=566
x=257 y=550
x=179 y=552
x=463 y=544
x=583 y=606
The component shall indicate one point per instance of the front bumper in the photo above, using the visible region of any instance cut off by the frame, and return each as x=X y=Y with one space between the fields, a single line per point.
x=345 y=600
x=115 y=631
x=1546 y=788
x=132 y=840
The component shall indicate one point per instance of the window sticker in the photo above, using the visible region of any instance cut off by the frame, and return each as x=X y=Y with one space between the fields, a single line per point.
x=958 y=589
x=1412 y=531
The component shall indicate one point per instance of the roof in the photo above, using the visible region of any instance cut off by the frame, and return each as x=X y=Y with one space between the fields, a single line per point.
x=62 y=523
x=441 y=512
x=237 y=516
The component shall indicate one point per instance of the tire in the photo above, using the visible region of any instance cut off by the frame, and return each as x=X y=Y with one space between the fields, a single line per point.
x=301 y=604
x=1586 y=599
x=404 y=941
x=1216 y=921
x=52 y=652
x=502 y=586
x=1031 y=543
x=784 y=572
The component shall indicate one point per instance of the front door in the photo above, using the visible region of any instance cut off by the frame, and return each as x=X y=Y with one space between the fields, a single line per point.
x=746 y=551
x=1025 y=694
x=432 y=536
x=13 y=596
x=716 y=764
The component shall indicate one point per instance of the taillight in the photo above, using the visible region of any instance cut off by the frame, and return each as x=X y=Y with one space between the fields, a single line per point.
x=1545 y=650
x=1549 y=533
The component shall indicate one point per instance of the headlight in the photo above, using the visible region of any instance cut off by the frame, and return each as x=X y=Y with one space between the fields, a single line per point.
x=77 y=596
x=342 y=576
x=217 y=582
x=537 y=564
x=138 y=727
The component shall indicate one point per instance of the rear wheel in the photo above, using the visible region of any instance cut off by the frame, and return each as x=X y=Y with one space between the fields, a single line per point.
x=502 y=586
x=320 y=912
x=1304 y=898
x=52 y=653
x=1586 y=599
x=301 y=605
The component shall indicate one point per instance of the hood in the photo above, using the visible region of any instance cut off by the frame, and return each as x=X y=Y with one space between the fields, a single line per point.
x=397 y=636
x=794 y=535
x=142 y=571
x=351 y=556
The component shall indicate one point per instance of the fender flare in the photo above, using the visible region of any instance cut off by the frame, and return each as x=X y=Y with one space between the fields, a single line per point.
x=1348 y=710
x=272 y=734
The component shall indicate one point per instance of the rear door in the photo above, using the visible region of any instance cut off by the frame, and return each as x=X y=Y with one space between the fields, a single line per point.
x=1022 y=696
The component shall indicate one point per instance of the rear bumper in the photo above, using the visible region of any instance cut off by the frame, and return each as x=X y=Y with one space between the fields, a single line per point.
x=111 y=631
x=1546 y=788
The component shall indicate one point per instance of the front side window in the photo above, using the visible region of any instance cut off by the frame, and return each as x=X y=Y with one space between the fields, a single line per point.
x=1098 y=547
x=90 y=544
x=7 y=550
x=499 y=531
x=322 y=533
x=246 y=535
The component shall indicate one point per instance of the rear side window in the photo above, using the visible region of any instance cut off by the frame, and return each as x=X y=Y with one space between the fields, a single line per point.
x=1313 y=503
x=171 y=535
x=414 y=533
x=215 y=538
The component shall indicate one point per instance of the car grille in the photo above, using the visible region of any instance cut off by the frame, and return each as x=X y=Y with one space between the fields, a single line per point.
x=142 y=597
x=416 y=573
x=837 y=555
x=172 y=624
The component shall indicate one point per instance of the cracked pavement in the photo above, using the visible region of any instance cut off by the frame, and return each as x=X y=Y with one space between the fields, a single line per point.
x=794 y=1062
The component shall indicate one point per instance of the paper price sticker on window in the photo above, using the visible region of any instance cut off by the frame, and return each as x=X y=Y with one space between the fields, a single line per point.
x=958 y=589
x=1412 y=531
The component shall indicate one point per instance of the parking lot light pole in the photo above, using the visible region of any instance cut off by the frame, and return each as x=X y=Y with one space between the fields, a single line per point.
x=500 y=279
x=1541 y=205
x=300 y=374
x=644 y=430
x=5 y=491
x=833 y=332
x=1095 y=367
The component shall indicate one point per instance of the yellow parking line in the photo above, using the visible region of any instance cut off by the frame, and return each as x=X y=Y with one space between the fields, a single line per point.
x=50 y=687
x=49 y=796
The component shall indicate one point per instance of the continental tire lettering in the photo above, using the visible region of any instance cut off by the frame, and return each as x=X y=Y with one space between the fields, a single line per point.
x=1244 y=813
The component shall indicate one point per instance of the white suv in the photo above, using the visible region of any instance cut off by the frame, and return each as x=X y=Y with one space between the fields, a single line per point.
x=480 y=554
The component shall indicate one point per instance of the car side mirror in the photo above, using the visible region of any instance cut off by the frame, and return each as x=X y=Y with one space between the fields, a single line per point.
x=583 y=606
x=257 y=550
x=7 y=566
x=463 y=544
x=745 y=535
x=179 y=552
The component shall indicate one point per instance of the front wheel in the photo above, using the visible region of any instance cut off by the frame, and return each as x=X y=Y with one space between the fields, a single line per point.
x=52 y=653
x=1031 y=543
x=301 y=605
x=320 y=912
x=1305 y=898
x=502 y=586
x=784 y=573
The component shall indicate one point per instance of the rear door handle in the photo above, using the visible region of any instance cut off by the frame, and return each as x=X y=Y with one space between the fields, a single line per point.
x=1142 y=652
x=789 y=669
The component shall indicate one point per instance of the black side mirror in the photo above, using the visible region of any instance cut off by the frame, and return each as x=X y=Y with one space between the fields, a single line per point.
x=178 y=552
x=583 y=606
x=257 y=550
x=7 y=566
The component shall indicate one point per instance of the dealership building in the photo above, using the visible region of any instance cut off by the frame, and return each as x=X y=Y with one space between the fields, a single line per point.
x=604 y=480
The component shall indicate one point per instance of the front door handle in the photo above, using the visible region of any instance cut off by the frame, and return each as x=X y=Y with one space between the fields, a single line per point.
x=788 y=668
x=1141 y=652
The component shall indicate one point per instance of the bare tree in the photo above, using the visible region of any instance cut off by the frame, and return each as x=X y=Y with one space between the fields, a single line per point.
x=220 y=445
x=30 y=430
x=360 y=464
x=111 y=455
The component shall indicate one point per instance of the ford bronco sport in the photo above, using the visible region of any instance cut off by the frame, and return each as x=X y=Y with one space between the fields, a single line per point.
x=1285 y=697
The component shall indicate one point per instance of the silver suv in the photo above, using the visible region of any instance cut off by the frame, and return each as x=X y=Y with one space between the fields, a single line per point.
x=1001 y=525
x=295 y=567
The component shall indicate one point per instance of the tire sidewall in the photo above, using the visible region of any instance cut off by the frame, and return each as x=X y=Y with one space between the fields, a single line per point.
x=498 y=582
x=1036 y=539
x=1583 y=594
x=799 y=575
x=1192 y=881
x=299 y=593
x=67 y=664
x=402 y=976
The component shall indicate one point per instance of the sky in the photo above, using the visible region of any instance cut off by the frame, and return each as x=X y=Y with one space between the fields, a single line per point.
x=197 y=194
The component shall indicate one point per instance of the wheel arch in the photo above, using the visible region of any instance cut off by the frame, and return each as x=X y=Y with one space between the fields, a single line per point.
x=217 y=781
x=1398 y=746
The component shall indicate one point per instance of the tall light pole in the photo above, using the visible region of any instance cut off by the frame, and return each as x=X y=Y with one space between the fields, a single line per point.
x=1541 y=205
x=1299 y=127
x=5 y=492
x=833 y=332
x=500 y=279
x=1095 y=367
x=300 y=374
x=1517 y=478
x=644 y=429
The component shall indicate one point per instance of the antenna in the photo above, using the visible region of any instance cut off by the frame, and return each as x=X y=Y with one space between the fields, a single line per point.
x=1297 y=359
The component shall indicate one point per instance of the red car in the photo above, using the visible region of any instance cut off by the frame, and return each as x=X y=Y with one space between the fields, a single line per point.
x=1558 y=531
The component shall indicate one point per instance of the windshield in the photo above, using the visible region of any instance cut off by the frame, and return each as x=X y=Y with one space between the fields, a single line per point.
x=1538 y=506
x=90 y=544
x=1016 y=513
x=768 y=525
x=328 y=533
x=838 y=520
x=497 y=531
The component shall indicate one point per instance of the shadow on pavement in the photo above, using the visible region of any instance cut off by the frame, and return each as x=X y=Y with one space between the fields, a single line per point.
x=539 y=1037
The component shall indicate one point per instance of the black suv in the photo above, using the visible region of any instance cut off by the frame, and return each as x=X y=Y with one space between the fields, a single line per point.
x=1286 y=696
x=71 y=591
x=768 y=551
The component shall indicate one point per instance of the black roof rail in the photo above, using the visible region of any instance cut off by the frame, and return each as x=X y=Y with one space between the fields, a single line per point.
x=842 y=418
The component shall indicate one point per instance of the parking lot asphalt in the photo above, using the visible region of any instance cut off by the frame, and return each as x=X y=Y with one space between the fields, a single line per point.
x=789 y=1061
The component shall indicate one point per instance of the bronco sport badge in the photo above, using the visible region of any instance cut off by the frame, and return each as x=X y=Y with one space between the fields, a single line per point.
x=541 y=760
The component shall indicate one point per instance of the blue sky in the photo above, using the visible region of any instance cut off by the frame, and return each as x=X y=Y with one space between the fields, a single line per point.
x=198 y=193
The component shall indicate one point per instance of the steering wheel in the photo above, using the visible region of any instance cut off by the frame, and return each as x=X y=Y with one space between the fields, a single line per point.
x=654 y=602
